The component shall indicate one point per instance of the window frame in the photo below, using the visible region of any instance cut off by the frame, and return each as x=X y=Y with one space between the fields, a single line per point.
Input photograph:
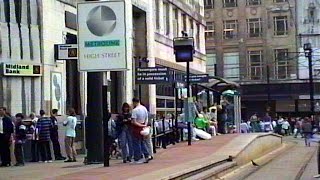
x=254 y=22
x=252 y=2
x=227 y=26
x=281 y=63
x=209 y=33
x=284 y=19
x=229 y=4
x=208 y=4
x=255 y=66
x=280 y=1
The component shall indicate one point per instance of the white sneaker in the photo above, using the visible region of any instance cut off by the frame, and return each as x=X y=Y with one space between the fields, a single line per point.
x=195 y=139
x=141 y=161
x=50 y=161
x=45 y=161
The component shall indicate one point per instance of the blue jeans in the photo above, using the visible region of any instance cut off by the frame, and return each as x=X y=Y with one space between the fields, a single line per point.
x=126 y=143
x=139 y=148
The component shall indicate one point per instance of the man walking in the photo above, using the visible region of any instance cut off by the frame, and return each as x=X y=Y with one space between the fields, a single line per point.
x=44 y=125
x=54 y=135
x=139 y=121
x=6 y=129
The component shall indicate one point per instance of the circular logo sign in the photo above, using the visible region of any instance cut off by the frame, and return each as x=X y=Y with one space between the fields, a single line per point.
x=101 y=20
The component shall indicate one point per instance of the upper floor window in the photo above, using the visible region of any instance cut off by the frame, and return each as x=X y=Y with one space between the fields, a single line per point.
x=253 y=2
x=166 y=22
x=280 y=25
x=209 y=30
x=230 y=3
x=282 y=63
x=279 y=1
x=254 y=27
x=230 y=29
x=157 y=14
x=208 y=4
x=175 y=22
x=255 y=65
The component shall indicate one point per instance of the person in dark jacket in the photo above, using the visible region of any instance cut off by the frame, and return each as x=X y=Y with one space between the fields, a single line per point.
x=44 y=126
x=123 y=125
x=6 y=129
x=307 y=130
x=54 y=135
x=20 y=137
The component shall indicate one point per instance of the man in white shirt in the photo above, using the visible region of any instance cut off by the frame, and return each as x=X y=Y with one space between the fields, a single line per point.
x=139 y=121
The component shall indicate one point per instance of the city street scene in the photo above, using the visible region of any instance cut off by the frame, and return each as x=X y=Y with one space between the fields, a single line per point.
x=159 y=89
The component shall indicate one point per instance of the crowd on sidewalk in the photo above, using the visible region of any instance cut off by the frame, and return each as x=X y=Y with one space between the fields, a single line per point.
x=303 y=126
x=40 y=131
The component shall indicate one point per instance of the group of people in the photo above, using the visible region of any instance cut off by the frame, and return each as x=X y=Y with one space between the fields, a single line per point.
x=284 y=126
x=133 y=131
x=40 y=131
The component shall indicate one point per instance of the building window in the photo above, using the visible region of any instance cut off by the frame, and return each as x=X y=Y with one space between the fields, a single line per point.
x=312 y=14
x=209 y=30
x=279 y=1
x=280 y=25
x=208 y=4
x=184 y=21
x=166 y=23
x=255 y=65
x=253 y=2
x=211 y=64
x=254 y=27
x=157 y=14
x=230 y=29
x=175 y=22
x=282 y=63
x=198 y=36
x=191 y=33
x=231 y=69
x=230 y=3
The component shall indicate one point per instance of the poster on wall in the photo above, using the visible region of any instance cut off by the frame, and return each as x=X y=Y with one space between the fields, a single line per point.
x=56 y=91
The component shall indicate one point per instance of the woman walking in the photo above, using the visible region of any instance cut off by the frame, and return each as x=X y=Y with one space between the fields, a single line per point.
x=70 y=123
x=307 y=130
x=123 y=125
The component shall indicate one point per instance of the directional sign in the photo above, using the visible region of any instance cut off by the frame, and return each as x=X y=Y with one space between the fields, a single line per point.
x=198 y=78
x=65 y=51
x=153 y=75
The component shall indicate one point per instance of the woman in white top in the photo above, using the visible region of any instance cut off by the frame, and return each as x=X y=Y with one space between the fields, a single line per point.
x=70 y=124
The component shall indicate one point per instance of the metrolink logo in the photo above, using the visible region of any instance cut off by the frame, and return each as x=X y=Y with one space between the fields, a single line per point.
x=102 y=43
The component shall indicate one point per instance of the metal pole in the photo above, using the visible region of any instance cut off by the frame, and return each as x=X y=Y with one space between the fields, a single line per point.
x=311 y=82
x=140 y=64
x=189 y=95
x=94 y=125
x=268 y=85
x=106 y=117
x=176 y=114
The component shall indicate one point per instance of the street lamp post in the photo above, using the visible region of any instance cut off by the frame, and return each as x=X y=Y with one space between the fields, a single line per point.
x=308 y=53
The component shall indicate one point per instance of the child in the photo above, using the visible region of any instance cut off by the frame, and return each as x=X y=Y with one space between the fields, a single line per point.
x=20 y=137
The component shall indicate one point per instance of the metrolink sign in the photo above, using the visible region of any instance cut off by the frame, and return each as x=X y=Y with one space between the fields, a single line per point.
x=102 y=36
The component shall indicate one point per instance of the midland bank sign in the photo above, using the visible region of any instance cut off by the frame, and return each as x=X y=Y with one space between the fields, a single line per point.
x=10 y=69
x=102 y=36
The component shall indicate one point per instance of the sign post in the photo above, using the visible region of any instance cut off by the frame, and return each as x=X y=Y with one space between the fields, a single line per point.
x=184 y=50
x=102 y=47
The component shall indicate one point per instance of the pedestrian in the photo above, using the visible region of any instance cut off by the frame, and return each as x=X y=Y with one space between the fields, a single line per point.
x=20 y=138
x=286 y=127
x=139 y=121
x=35 y=157
x=254 y=122
x=43 y=128
x=54 y=136
x=6 y=130
x=70 y=124
x=307 y=130
x=123 y=125
x=297 y=128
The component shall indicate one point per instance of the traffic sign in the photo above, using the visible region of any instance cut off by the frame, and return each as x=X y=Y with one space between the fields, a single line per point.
x=153 y=75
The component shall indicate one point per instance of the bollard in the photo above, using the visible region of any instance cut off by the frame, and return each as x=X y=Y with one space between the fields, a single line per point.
x=154 y=136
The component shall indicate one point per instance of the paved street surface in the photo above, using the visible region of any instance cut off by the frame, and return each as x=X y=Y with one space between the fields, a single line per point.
x=311 y=169
x=288 y=165
x=171 y=157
